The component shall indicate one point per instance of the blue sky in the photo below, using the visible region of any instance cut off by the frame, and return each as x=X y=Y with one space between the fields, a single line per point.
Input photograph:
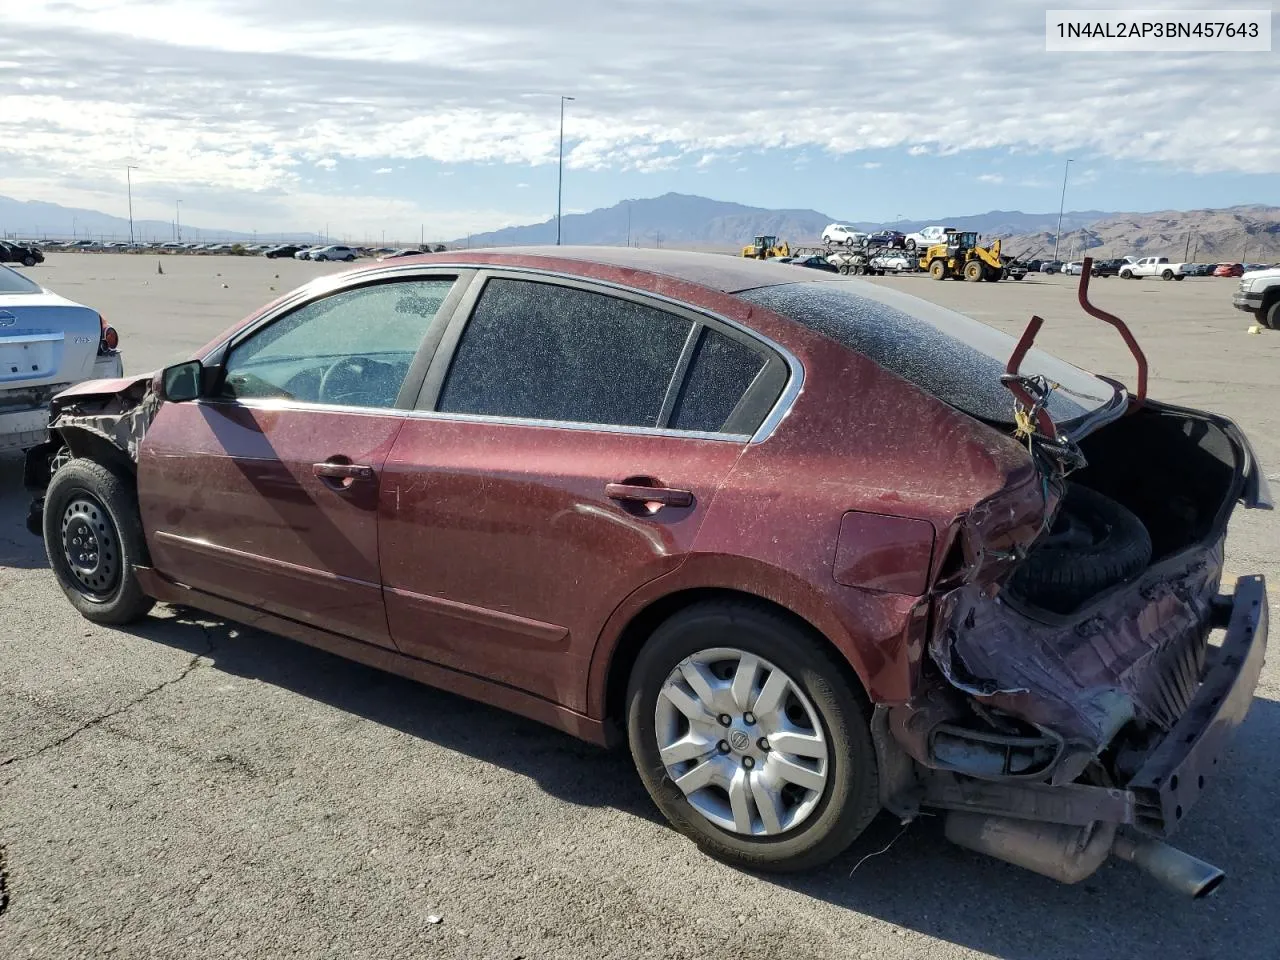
x=292 y=114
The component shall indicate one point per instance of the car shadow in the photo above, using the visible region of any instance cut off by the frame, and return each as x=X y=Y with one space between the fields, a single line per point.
x=19 y=549
x=910 y=876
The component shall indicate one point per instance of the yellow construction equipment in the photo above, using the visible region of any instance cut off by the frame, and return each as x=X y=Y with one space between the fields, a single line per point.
x=960 y=255
x=762 y=248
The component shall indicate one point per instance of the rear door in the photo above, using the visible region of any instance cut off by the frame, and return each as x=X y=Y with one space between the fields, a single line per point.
x=569 y=442
x=266 y=493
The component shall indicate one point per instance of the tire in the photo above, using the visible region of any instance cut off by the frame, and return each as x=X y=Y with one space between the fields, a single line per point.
x=1166 y=275
x=843 y=268
x=992 y=275
x=86 y=497
x=827 y=817
x=1095 y=543
x=1126 y=274
x=349 y=259
x=28 y=261
x=938 y=270
x=1269 y=316
x=1180 y=276
x=973 y=271
x=910 y=245
x=1018 y=276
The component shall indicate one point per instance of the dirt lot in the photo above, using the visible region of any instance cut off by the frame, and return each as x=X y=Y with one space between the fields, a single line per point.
x=192 y=788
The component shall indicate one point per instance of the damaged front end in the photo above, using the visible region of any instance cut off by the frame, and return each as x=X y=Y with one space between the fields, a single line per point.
x=1058 y=734
x=104 y=420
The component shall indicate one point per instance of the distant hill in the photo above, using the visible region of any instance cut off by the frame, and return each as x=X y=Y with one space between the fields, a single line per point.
x=1245 y=233
x=683 y=220
x=35 y=220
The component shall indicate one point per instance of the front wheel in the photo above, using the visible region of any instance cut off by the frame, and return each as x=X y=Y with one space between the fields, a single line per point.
x=751 y=738
x=1166 y=275
x=28 y=261
x=1126 y=275
x=93 y=537
x=1270 y=315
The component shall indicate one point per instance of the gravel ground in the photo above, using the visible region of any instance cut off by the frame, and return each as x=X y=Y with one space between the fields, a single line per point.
x=193 y=788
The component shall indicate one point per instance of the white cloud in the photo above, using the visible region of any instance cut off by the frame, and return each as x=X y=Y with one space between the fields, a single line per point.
x=871 y=165
x=382 y=170
x=990 y=178
x=239 y=96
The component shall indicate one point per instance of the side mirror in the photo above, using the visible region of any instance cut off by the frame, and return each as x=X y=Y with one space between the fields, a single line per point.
x=181 y=381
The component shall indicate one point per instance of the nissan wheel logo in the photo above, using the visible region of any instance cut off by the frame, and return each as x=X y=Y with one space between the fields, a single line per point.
x=739 y=740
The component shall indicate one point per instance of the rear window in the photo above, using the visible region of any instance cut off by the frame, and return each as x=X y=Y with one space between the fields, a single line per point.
x=11 y=281
x=953 y=357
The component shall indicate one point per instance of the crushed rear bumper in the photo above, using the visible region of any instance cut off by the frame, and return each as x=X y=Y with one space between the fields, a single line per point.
x=1176 y=772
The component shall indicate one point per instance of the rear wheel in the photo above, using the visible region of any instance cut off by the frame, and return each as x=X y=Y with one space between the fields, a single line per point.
x=938 y=270
x=1166 y=274
x=750 y=738
x=93 y=537
x=1179 y=276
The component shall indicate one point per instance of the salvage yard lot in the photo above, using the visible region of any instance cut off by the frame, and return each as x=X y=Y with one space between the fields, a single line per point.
x=194 y=788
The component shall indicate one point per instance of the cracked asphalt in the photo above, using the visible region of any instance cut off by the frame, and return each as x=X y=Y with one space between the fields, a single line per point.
x=195 y=788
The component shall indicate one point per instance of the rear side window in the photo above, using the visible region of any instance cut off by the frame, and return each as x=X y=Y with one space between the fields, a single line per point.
x=545 y=352
x=721 y=373
x=11 y=281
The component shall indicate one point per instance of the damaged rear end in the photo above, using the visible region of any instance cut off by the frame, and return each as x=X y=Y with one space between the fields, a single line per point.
x=1087 y=668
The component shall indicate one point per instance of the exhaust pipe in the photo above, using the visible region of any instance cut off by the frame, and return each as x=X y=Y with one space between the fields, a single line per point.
x=1180 y=872
x=1070 y=854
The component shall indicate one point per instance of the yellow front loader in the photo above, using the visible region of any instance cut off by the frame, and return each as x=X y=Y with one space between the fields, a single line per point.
x=960 y=255
x=762 y=248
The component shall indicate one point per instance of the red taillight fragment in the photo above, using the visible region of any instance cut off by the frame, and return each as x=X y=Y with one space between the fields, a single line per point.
x=108 y=339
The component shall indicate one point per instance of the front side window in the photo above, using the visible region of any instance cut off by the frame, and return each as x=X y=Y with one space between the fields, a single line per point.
x=541 y=351
x=351 y=348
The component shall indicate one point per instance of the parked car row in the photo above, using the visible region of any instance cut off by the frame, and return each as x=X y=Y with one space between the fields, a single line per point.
x=21 y=252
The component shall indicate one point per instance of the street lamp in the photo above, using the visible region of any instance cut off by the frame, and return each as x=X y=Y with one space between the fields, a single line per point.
x=560 y=183
x=1061 y=206
x=128 y=179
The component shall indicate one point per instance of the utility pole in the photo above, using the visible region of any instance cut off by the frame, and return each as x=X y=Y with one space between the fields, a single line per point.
x=128 y=179
x=560 y=176
x=1187 y=248
x=1244 y=254
x=177 y=218
x=1062 y=205
x=422 y=235
x=628 y=223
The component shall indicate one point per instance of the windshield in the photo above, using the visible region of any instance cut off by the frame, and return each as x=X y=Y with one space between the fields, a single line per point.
x=953 y=357
x=11 y=281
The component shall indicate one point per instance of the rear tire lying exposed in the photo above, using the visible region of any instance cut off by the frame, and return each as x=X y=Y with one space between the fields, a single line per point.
x=1095 y=543
x=802 y=797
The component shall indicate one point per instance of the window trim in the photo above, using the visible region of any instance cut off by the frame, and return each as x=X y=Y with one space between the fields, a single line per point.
x=470 y=277
x=313 y=293
x=778 y=362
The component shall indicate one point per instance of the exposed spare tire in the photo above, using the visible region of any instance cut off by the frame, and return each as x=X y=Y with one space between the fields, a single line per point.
x=1094 y=544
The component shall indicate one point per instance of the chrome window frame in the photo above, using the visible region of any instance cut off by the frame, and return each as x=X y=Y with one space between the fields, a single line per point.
x=464 y=298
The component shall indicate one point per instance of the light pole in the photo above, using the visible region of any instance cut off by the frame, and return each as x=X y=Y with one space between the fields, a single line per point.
x=128 y=179
x=1062 y=205
x=560 y=182
x=177 y=218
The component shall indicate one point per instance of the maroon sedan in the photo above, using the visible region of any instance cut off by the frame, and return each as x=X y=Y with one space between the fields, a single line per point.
x=805 y=543
x=1229 y=270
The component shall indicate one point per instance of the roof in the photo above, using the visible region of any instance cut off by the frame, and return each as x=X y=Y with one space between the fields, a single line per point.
x=717 y=271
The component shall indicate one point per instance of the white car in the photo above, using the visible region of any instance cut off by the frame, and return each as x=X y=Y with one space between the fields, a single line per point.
x=1073 y=268
x=926 y=237
x=890 y=263
x=839 y=233
x=1153 y=267
x=333 y=252
x=47 y=343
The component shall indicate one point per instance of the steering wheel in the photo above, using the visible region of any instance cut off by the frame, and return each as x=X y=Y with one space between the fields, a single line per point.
x=331 y=378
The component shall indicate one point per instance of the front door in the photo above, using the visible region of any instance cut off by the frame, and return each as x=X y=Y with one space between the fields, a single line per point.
x=267 y=492
x=568 y=452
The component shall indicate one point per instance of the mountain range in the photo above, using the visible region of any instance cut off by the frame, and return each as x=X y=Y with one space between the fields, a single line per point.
x=1250 y=232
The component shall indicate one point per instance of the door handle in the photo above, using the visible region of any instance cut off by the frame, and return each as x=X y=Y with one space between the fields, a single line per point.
x=342 y=471
x=637 y=493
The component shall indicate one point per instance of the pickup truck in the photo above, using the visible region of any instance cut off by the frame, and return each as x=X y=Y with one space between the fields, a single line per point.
x=1153 y=267
x=1259 y=294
